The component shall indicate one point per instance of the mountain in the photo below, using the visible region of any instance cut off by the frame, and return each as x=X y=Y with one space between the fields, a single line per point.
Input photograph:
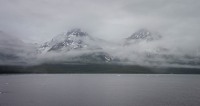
x=145 y=45
x=90 y=57
x=77 y=46
x=14 y=51
x=87 y=47
x=142 y=35
x=143 y=40
x=10 y=49
x=73 y=39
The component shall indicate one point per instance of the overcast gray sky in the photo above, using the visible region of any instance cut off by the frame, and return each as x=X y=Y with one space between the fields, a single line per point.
x=40 y=20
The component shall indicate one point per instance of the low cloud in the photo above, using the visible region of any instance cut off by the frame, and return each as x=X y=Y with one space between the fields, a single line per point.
x=13 y=51
x=114 y=20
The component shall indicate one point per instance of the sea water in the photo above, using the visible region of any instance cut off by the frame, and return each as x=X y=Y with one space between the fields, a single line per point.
x=99 y=90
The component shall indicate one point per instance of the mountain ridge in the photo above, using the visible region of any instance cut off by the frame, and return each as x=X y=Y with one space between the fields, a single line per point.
x=78 y=46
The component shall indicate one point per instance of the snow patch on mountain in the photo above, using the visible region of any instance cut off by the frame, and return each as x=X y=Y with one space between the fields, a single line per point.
x=73 y=39
x=142 y=35
x=78 y=42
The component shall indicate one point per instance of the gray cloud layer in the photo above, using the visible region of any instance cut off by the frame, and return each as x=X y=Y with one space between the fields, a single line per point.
x=40 y=20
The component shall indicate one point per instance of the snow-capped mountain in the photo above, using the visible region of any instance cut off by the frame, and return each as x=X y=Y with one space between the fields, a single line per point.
x=144 y=39
x=73 y=39
x=145 y=45
x=79 y=46
x=143 y=35
x=141 y=47
x=79 y=41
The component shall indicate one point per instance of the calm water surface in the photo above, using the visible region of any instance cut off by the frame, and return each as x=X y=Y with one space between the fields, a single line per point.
x=99 y=90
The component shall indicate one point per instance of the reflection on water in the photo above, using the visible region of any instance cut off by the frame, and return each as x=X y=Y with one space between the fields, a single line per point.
x=99 y=90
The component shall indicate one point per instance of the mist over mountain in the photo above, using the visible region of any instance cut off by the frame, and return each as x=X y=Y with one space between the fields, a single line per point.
x=13 y=51
x=144 y=35
x=139 y=32
x=74 y=46
x=74 y=39
x=143 y=47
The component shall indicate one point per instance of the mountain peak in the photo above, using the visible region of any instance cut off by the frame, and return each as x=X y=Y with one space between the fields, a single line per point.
x=144 y=34
x=73 y=39
x=76 y=32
